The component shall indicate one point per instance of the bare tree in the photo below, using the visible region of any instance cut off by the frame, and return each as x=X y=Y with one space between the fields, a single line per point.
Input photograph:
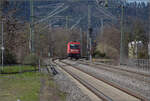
x=109 y=42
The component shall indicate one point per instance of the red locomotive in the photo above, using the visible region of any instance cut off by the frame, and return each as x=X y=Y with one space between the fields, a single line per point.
x=73 y=50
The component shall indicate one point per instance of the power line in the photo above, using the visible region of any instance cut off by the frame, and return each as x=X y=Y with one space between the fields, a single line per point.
x=56 y=9
x=77 y=22
x=45 y=27
x=50 y=16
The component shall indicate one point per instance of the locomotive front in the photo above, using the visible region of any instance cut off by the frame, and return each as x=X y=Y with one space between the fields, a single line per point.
x=73 y=50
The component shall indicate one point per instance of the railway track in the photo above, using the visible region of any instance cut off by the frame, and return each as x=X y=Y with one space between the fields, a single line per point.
x=136 y=75
x=116 y=68
x=105 y=90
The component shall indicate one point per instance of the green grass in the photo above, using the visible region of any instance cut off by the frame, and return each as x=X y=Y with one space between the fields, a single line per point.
x=24 y=86
x=13 y=69
x=52 y=92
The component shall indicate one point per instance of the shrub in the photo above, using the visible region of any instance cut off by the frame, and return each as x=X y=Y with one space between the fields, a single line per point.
x=9 y=58
x=143 y=55
x=98 y=54
x=31 y=59
x=107 y=51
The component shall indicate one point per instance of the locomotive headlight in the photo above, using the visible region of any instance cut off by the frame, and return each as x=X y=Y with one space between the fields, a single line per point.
x=74 y=50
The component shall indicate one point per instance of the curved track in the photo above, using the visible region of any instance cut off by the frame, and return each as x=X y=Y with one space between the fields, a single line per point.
x=95 y=85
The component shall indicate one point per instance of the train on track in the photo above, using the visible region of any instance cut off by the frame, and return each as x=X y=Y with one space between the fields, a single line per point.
x=73 y=49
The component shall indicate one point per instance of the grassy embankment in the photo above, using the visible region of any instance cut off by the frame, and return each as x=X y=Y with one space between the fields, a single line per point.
x=27 y=86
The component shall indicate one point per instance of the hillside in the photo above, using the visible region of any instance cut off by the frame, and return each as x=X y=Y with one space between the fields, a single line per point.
x=79 y=9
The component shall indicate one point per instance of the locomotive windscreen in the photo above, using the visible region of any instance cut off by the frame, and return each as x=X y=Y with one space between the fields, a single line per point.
x=74 y=46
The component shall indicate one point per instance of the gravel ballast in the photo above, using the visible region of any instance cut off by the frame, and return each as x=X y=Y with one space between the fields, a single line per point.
x=143 y=88
x=66 y=85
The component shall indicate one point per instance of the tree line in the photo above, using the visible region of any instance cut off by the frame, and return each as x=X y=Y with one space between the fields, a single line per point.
x=54 y=40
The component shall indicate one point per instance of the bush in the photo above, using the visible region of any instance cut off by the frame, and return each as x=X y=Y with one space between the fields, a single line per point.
x=98 y=54
x=9 y=58
x=143 y=55
x=107 y=51
x=31 y=59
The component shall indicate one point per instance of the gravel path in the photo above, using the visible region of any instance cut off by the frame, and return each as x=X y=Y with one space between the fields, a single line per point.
x=142 y=88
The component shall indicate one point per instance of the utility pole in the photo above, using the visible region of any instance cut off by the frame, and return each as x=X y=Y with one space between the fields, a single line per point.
x=149 y=34
x=2 y=47
x=1 y=21
x=67 y=22
x=89 y=39
x=102 y=29
x=87 y=45
x=0 y=10
x=102 y=26
x=81 y=38
x=2 y=40
x=31 y=43
x=122 y=36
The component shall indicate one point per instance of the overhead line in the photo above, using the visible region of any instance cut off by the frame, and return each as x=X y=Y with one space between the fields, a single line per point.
x=76 y=23
x=51 y=15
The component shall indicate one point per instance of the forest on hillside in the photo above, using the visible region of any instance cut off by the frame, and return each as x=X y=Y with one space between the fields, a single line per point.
x=54 y=39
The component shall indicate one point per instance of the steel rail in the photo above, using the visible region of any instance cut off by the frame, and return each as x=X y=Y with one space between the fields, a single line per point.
x=129 y=92
x=119 y=71
x=114 y=67
x=87 y=85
